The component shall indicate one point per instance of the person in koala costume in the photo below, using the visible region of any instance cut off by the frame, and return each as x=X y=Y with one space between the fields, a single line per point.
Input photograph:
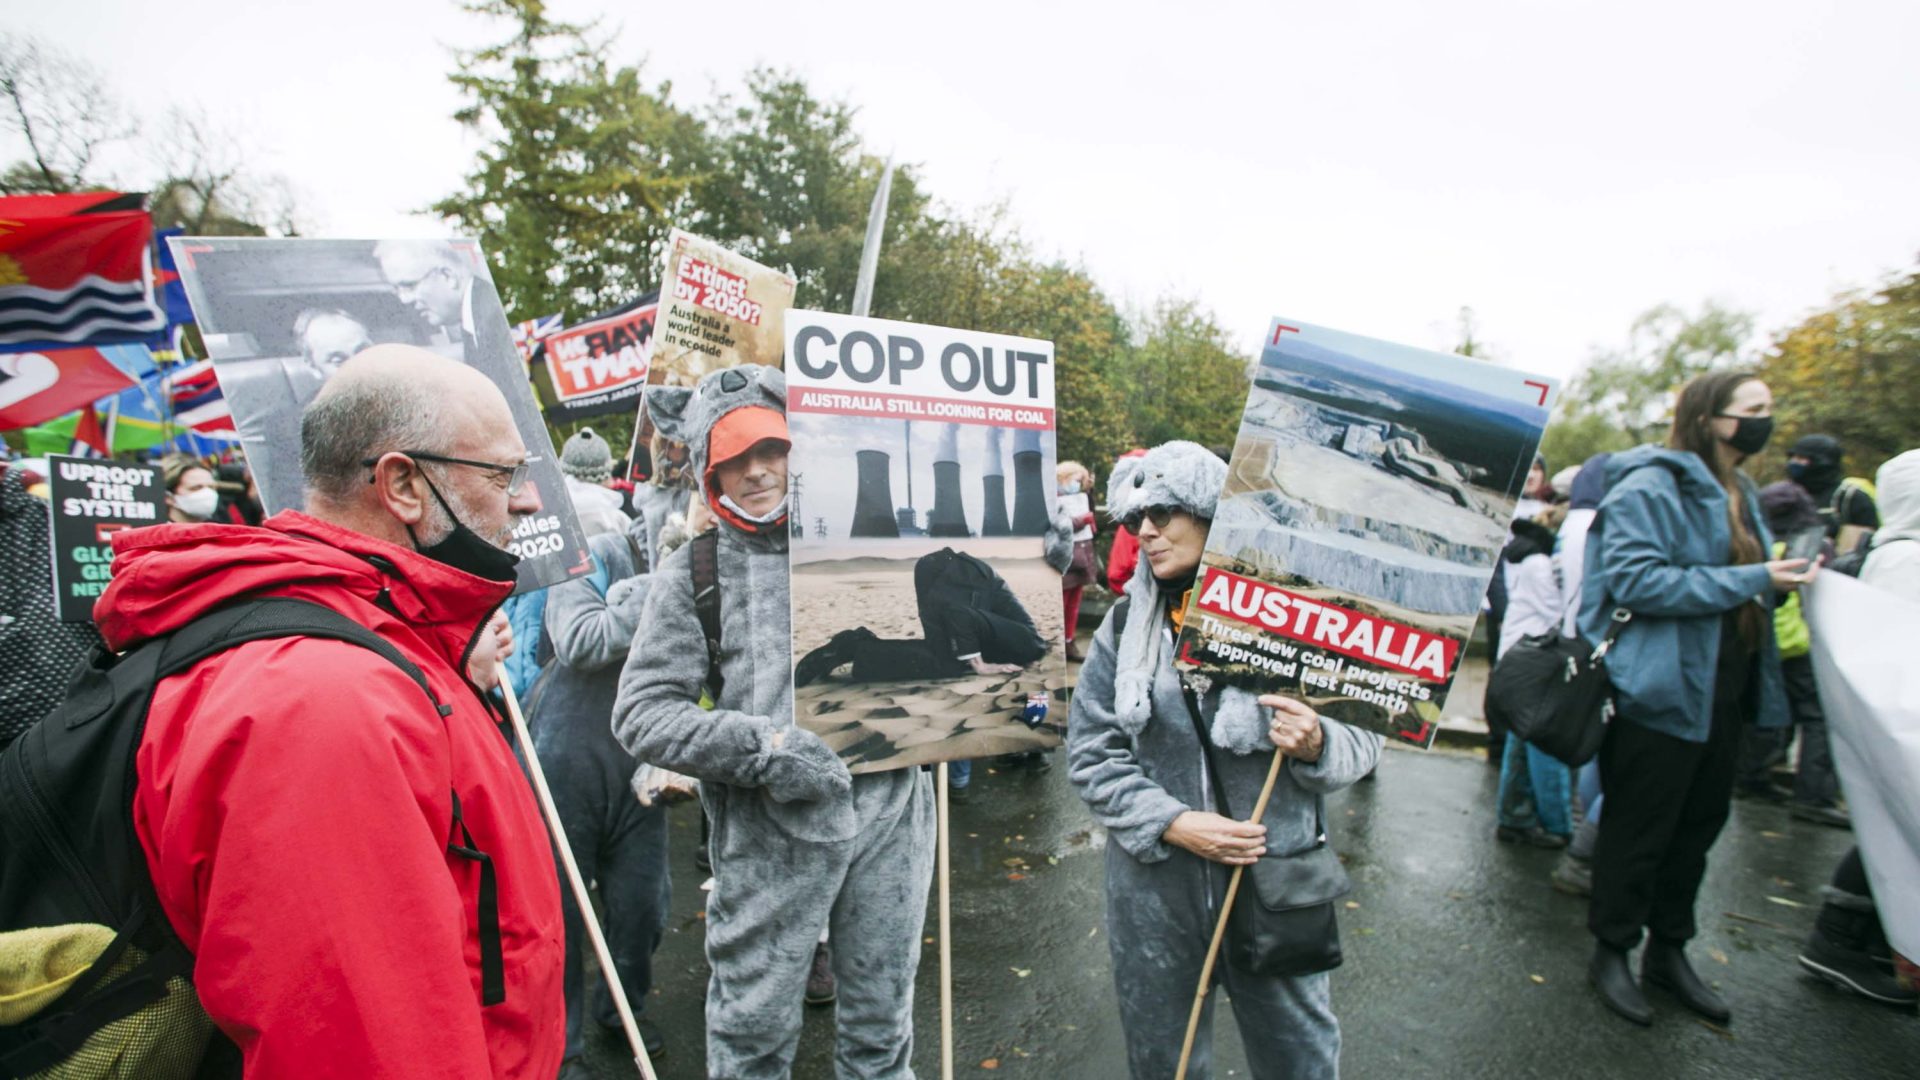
x=797 y=844
x=1134 y=754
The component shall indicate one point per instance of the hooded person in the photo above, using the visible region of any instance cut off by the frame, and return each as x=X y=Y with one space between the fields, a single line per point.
x=797 y=844
x=1894 y=561
x=1173 y=833
x=1816 y=462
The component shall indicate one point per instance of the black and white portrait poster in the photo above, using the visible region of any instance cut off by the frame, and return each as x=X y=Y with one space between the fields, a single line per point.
x=927 y=624
x=279 y=317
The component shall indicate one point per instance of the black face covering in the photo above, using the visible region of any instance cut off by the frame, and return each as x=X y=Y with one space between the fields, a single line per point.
x=464 y=549
x=1750 y=433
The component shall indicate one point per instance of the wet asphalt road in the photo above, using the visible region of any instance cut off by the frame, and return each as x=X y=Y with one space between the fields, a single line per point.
x=1460 y=960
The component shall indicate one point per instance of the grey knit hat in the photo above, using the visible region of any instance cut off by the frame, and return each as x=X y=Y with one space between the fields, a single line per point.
x=1180 y=474
x=587 y=458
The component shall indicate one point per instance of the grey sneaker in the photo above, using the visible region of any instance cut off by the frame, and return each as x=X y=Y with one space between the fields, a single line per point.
x=821 y=989
x=1854 y=971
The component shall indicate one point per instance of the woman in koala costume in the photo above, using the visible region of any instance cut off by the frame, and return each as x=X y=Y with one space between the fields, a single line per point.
x=1134 y=751
x=797 y=844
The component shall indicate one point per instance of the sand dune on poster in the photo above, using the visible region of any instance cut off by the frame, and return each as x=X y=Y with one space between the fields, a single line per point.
x=890 y=725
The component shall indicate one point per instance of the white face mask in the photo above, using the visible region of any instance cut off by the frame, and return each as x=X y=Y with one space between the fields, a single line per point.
x=198 y=505
x=763 y=519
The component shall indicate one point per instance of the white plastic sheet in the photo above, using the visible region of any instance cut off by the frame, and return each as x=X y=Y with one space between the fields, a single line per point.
x=1866 y=654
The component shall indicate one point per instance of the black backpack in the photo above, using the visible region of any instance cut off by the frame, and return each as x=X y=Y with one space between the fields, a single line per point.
x=69 y=853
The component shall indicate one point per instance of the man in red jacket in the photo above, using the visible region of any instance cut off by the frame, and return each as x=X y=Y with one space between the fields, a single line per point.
x=295 y=797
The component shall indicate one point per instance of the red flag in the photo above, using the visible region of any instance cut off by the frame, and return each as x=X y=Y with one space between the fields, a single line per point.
x=37 y=386
x=74 y=269
x=89 y=439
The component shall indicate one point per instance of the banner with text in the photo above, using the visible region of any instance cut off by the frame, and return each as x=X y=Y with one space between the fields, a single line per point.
x=1367 y=500
x=601 y=365
x=929 y=629
x=717 y=309
x=92 y=500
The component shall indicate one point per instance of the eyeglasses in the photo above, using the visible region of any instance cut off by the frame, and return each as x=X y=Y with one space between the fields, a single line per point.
x=516 y=474
x=1159 y=515
x=407 y=289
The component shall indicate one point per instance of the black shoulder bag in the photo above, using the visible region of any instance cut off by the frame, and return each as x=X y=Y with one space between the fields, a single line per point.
x=1285 y=924
x=1552 y=690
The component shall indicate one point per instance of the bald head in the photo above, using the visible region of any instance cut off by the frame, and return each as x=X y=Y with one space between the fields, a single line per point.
x=396 y=397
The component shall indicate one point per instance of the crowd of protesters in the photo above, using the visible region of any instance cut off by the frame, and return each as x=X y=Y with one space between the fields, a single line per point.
x=453 y=946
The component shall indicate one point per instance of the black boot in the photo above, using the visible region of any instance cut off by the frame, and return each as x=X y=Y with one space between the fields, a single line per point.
x=819 y=663
x=1665 y=965
x=1613 y=977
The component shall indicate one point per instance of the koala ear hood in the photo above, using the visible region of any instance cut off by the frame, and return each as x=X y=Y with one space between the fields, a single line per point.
x=689 y=415
x=1180 y=474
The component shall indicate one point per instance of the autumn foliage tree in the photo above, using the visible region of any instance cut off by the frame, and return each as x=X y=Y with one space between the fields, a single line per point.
x=1851 y=371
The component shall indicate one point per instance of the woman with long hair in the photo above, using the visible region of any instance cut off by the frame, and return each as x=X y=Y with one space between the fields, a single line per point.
x=1679 y=550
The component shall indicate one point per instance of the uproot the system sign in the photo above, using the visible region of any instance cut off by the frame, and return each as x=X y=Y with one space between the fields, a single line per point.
x=92 y=500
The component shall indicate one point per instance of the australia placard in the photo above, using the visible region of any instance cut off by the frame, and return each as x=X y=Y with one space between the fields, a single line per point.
x=91 y=501
x=1367 y=499
x=927 y=624
x=279 y=317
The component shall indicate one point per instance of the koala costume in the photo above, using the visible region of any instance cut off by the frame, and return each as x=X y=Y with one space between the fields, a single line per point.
x=1136 y=760
x=796 y=843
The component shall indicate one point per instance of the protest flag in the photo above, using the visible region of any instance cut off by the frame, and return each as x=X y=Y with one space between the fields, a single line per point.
x=76 y=270
x=89 y=439
x=37 y=386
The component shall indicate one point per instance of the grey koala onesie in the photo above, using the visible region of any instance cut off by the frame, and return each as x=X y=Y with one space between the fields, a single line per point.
x=797 y=844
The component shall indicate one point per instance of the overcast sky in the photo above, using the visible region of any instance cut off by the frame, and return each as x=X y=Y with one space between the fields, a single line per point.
x=1560 y=167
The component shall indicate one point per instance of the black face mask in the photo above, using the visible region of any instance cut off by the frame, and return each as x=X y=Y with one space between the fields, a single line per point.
x=464 y=549
x=1750 y=433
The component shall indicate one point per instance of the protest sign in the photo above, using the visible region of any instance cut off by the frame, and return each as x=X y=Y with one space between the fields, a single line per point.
x=601 y=365
x=1862 y=650
x=280 y=316
x=717 y=309
x=1366 y=502
x=889 y=597
x=91 y=501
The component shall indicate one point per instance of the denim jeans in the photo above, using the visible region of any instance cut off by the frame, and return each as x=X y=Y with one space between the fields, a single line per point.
x=1536 y=789
x=959 y=773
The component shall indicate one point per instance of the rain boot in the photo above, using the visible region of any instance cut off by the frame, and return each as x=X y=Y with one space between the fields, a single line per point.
x=1665 y=965
x=1613 y=977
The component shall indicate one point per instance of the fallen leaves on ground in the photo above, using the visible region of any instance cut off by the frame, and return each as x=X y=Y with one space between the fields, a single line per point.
x=1784 y=902
x=1719 y=956
x=1020 y=972
x=990 y=1063
x=1539 y=980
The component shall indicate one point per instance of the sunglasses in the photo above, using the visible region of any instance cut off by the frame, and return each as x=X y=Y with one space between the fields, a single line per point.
x=1159 y=515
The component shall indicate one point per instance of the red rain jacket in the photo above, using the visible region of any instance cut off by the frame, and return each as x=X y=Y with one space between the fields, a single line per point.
x=294 y=802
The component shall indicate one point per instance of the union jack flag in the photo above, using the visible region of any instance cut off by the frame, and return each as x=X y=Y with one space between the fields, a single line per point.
x=527 y=335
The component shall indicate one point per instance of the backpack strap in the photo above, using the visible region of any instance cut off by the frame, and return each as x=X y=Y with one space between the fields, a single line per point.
x=278 y=617
x=704 y=564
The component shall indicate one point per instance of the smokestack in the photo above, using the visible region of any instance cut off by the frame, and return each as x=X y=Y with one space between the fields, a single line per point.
x=873 y=505
x=994 y=521
x=948 y=517
x=1029 y=496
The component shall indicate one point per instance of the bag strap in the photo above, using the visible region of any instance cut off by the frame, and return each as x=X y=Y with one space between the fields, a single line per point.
x=1615 y=623
x=704 y=564
x=1220 y=788
x=493 y=980
x=278 y=617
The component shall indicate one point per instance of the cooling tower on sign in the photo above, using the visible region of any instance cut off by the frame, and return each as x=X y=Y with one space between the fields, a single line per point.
x=948 y=517
x=993 y=521
x=1029 y=493
x=873 y=504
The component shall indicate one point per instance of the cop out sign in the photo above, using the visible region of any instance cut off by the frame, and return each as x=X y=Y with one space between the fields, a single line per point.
x=92 y=500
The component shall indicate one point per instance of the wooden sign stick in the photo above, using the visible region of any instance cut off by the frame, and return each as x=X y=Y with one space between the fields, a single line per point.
x=946 y=934
x=1220 y=928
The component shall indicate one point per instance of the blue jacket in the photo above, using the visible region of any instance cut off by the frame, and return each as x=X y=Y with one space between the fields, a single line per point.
x=1660 y=548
